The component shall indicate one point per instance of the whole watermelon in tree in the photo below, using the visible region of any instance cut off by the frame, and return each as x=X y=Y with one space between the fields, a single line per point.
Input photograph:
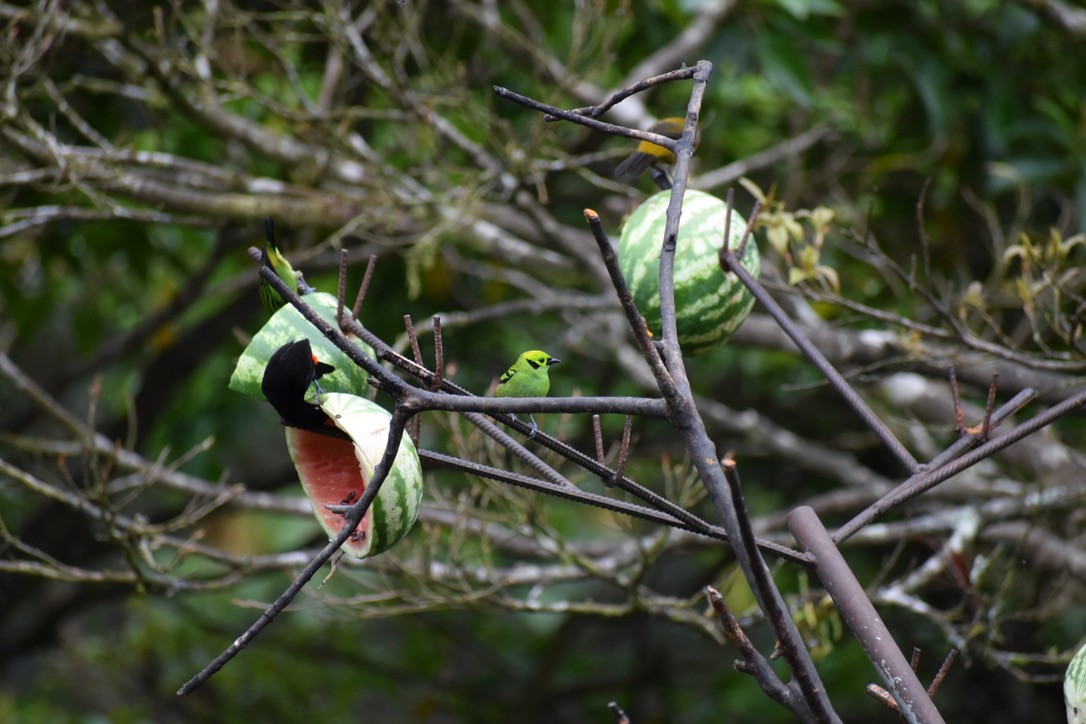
x=710 y=305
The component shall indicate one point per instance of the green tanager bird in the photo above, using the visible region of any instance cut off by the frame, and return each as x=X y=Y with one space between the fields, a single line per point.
x=648 y=154
x=528 y=377
x=274 y=260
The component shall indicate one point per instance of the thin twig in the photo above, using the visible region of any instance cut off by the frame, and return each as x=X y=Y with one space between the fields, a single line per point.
x=962 y=444
x=341 y=294
x=439 y=356
x=625 y=298
x=882 y=696
x=753 y=662
x=956 y=399
x=413 y=339
x=730 y=262
x=669 y=143
x=624 y=93
x=597 y=435
x=364 y=287
x=351 y=521
x=619 y=714
x=571 y=492
x=885 y=698
x=924 y=481
x=986 y=424
x=773 y=606
x=623 y=451
x=944 y=669
x=748 y=233
x=416 y=424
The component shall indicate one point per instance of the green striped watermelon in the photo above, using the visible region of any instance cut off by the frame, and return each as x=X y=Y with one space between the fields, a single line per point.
x=1074 y=688
x=287 y=325
x=335 y=472
x=710 y=305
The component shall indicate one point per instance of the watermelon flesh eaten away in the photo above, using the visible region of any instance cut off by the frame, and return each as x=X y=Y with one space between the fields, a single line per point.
x=336 y=472
x=332 y=476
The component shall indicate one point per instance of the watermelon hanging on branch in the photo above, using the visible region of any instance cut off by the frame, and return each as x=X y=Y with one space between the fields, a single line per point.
x=288 y=325
x=710 y=305
x=335 y=436
x=336 y=472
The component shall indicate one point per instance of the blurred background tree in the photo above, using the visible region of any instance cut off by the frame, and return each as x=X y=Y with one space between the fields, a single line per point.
x=925 y=165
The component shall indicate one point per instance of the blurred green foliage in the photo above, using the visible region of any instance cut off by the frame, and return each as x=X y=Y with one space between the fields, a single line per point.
x=983 y=99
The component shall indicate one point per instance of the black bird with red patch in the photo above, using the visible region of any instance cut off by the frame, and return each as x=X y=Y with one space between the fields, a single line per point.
x=290 y=371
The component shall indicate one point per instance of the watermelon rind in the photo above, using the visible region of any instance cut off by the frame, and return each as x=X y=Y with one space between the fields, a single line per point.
x=710 y=305
x=288 y=325
x=1074 y=688
x=335 y=472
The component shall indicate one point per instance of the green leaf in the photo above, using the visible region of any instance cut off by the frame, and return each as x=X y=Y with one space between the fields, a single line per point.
x=288 y=325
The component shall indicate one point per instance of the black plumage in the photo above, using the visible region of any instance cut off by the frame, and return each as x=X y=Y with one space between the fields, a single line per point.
x=290 y=371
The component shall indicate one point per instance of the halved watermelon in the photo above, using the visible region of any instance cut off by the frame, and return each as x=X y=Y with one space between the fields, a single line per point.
x=336 y=472
x=288 y=325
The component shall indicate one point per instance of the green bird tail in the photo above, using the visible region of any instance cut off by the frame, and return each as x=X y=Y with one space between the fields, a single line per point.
x=272 y=258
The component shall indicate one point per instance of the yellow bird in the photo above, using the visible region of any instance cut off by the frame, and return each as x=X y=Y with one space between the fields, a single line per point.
x=648 y=154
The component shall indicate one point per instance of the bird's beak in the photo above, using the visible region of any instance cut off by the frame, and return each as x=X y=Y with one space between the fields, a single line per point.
x=553 y=361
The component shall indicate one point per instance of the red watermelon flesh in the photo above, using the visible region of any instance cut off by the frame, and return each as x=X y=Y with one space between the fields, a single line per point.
x=335 y=472
x=333 y=475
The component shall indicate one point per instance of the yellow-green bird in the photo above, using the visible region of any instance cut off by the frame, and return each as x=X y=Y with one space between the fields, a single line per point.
x=274 y=260
x=648 y=154
x=528 y=377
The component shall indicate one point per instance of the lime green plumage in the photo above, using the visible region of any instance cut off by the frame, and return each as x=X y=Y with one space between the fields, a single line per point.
x=278 y=263
x=528 y=377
